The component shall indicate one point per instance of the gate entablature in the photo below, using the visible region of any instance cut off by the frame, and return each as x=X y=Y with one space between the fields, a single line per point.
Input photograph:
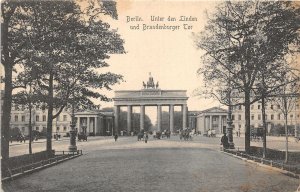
x=150 y=95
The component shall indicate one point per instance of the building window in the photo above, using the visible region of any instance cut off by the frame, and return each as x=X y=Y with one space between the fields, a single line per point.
x=266 y=117
x=37 y=128
x=297 y=106
x=291 y=116
x=44 y=117
x=57 y=128
x=232 y=117
x=37 y=118
x=57 y=118
x=23 y=129
x=272 y=117
x=65 y=128
x=240 y=126
x=16 y=118
x=23 y=107
x=65 y=117
x=259 y=117
x=252 y=106
x=278 y=116
x=214 y=118
x=272 y=107
x=278 y=106
x=16 y=107
x=240 y=117
x=258 y=106
x=252 y=117
x=240 y=107
x=23 y=118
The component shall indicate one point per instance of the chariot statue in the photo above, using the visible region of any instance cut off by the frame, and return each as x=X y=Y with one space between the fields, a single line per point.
x=150 y=83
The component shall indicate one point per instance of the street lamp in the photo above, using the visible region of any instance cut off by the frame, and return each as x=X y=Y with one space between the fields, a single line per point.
x=229 y=121
x=72 y=146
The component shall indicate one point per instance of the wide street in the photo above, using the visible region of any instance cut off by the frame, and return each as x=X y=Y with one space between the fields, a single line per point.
x=159 y=165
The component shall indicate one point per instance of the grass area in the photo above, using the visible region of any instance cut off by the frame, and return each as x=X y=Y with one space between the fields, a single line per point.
x=22 y=163
x=275 y=155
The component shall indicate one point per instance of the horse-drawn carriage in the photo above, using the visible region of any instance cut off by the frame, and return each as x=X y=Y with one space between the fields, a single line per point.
x=297 y=137
x=157 y=135
x=140 y=136
x=82 y=136
x=186 y=134
x=257 y=134
x=166 y=134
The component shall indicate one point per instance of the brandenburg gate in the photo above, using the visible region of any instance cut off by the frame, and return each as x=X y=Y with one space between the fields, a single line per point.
x=150 y=95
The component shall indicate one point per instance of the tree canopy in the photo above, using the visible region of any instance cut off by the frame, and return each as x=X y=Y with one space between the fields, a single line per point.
x=240 y=40
x=61 y=45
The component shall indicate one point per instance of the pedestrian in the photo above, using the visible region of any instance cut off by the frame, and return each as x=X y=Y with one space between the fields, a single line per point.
x=224 y=141
x=146 y=138
x=116 y=137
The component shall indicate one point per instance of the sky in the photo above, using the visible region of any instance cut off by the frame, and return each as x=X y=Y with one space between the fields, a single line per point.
x=170 y=56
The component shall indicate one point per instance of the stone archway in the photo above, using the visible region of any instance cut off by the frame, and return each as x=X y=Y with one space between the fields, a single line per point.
x=150 y=95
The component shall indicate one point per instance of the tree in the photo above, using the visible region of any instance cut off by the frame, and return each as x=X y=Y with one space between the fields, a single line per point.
x=65 y=64
x=287 y=97
x=15 y=21
x=240 y=39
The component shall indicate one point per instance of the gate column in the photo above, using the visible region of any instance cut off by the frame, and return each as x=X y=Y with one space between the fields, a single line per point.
x=116 y=127
x=129 y=112
x=158 y=117
x=184 y=116
x=142 y=117
x=171 y=118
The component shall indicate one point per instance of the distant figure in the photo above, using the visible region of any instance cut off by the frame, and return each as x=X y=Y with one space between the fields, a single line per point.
x=144 y=85
x=157 y=85
x=146 y=138
x=116 y=137
x=224 y=141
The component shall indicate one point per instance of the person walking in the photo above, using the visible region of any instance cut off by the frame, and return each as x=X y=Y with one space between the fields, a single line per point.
x=116 y=137
x=224 y=141
x=146 y=138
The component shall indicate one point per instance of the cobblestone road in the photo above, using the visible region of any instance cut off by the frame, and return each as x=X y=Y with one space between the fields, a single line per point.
x=159 y=165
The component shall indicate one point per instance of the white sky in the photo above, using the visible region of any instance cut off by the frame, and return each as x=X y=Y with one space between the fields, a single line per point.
x=170 y=56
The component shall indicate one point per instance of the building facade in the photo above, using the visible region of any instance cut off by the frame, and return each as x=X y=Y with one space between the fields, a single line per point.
x=274 y=116
x=214 y=118
x=91 y=122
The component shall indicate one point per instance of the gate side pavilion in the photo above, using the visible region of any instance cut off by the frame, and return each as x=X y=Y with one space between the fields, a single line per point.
x=150 y=95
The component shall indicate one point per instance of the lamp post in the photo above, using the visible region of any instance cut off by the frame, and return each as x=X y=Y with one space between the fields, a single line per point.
x=229 y=121
x=72 y=146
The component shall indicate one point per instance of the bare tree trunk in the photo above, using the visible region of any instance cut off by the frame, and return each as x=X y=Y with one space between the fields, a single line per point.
x=30 y=129
x=5 y=126
x=247 y=122
x=50 y=114
x=263 y=110
x=286 y=139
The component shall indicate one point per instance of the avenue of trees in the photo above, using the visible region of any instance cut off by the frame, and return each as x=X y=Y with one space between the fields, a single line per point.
x=55 y=47
x=247 y=47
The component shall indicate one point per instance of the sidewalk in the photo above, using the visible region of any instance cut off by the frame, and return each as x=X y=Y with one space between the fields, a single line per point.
x=38 y=141
x=54 y=140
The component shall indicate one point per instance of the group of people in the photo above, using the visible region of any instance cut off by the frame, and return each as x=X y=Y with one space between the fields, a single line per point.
x=146 y=137
x=186 y=135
